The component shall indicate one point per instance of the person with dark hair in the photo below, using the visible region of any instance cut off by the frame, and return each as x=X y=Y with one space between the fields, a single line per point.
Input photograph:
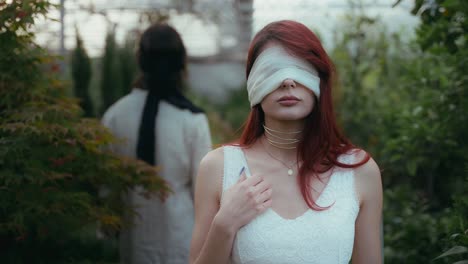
x=163 y=128
x=293 y=189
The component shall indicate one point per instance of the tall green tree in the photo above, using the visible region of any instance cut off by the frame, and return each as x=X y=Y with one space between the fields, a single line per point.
x=54 y=165
x=111 y=84
x=128 y=65
x=81 y=74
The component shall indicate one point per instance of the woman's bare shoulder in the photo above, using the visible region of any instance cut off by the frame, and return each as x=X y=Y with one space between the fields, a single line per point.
x=210 y=175
x=212 y=166
x=368 y=169
x=214 y=158
x=367 y=177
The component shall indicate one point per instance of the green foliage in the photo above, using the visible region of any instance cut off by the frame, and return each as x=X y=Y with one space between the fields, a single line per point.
x=54 y=165
x=406 y=103
x=118 y=70
x=431 y=127
x=411 y=232
x=225 y=119
x=128 y=66
x=444 y=24
x=81 y=73
x=456 y=245
x=439 y=109
x=456 y=250
x=111 y=86
x=365 y=63
x=408 y=115
x=235 y=110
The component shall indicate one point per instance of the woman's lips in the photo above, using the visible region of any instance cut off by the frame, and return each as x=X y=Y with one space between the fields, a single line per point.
x=288 y=100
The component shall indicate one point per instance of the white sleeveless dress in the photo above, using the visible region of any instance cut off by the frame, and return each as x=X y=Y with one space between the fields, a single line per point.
x=322 y=237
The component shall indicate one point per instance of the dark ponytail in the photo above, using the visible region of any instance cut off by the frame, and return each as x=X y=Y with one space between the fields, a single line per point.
x=162 y=60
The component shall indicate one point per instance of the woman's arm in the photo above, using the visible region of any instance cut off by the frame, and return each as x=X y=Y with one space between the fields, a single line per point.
x=200 y=141
x=367 y=241
x=207 y=196
x=215 y=227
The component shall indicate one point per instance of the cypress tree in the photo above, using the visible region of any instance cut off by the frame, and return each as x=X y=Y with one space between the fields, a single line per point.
x=81 y=73
x=128 y=67
x=110 y=80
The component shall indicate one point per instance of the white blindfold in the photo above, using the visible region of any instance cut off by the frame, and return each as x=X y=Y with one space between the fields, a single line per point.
x=272 y=67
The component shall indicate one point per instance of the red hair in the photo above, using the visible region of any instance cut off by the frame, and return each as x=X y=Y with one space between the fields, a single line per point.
x=322 y=142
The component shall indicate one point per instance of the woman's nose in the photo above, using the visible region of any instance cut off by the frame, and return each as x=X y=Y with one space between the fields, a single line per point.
x=288 y=83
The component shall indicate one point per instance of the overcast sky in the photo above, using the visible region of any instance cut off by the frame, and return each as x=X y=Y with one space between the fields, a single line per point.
x=201 y=37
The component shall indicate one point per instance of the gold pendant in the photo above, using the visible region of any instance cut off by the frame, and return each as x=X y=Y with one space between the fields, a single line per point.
x=290 y=172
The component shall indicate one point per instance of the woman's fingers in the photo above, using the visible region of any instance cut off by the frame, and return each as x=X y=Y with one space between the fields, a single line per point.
x=262 y=186
x=253 y=180
x=264 y=206
x=257 y=189
x=249 y=197
x=264 y=196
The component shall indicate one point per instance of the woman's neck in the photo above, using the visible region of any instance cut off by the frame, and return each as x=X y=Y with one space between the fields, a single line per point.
x=284 y=126
x=282 y=138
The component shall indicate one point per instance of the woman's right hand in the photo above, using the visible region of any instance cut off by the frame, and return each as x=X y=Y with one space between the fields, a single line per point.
x=243 y=201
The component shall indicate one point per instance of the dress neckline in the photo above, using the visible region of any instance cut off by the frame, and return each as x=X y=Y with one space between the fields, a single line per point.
x=309 y=210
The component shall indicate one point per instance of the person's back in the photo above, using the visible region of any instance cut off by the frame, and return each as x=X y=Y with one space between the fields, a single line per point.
x=162 y=128
x=162 y=230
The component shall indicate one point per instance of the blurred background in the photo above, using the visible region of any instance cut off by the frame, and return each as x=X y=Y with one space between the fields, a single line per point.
x=402 y=91
x=216 y=32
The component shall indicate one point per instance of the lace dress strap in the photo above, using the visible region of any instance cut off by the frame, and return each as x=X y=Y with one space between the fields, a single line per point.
x=234 y=161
